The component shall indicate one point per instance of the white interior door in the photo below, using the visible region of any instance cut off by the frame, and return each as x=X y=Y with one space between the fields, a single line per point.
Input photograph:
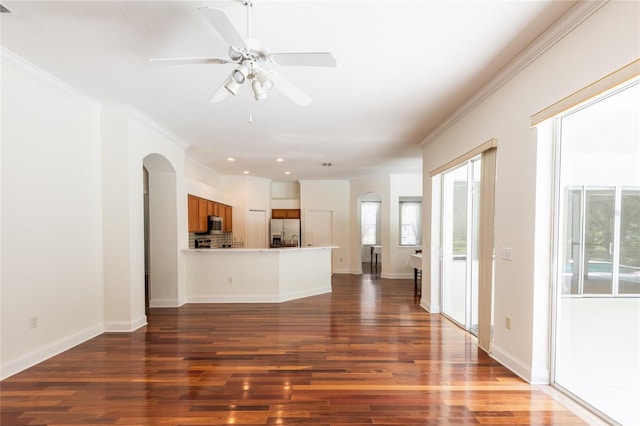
x=257 y=229
x=319 y=228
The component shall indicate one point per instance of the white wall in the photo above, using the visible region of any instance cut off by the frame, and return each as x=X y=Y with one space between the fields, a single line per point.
x=606 y=41
x=330 y=195
x=205 y=183
x=51 y=217
x=127 y=138
x=248 y=193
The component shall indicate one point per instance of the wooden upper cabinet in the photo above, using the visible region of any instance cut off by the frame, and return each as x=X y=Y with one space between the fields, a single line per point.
x=227 y=220
x=293 y=213
x=203 y=218
x=200 y=209
x=285 y=214
x=193 y=213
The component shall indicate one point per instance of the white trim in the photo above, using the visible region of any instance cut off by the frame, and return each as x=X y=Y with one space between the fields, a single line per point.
x=573 y=406
x=433 y=308
x=516 y=366
x=306 y=293
x=560 y=28
x=125 y=326
x=164 y=303
x=397 y=276
x=154 y=125
x=242 y=298
x=48 y=351
x=346 y=271
x=11 y=59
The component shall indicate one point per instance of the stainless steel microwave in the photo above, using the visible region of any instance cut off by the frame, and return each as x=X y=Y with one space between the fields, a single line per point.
x=215 y=225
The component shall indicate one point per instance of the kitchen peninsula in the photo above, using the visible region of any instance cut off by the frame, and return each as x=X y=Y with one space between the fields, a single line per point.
x=257 y=275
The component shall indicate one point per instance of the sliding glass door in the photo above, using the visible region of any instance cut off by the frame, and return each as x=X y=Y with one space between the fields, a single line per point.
x=460 y=213
x=597 y=318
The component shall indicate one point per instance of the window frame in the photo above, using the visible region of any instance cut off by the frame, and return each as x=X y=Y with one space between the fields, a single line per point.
x=410 y=200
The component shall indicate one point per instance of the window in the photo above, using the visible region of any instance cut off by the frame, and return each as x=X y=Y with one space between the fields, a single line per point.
x=369 y=222
x=410 y=219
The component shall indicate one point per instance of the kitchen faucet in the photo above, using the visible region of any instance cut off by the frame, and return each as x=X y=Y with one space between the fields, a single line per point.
x=294 y=237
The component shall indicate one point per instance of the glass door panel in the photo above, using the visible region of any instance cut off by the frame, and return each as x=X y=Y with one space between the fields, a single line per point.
x=597 y=311
x=572 y=243
x=460 y=242
x=454 y=244
x=474 y=213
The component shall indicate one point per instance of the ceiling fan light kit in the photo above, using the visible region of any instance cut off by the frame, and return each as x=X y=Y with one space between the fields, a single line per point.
x=251 y=59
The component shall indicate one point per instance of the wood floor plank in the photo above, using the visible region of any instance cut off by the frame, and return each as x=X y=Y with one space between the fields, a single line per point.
x=364 y=354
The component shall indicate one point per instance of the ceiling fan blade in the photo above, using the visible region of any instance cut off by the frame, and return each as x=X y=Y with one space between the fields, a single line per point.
x=219 y=95
x=290 y=90
x=188 y=61
x=221 y=22
x=304 y=59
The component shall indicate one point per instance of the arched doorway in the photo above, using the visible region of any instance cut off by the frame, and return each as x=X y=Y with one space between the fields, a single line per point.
x=161 y=232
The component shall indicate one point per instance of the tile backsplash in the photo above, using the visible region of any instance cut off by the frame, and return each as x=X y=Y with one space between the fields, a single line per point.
x=217 y=240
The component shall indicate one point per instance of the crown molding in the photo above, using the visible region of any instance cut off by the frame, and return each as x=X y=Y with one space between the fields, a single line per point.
x=11 y=59
x=156 y=126
x=556 y=31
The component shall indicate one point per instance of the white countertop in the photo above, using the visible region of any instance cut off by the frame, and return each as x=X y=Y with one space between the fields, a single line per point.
x=245 y=250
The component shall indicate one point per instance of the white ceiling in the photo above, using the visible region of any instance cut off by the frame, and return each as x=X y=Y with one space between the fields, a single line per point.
x=403 y=67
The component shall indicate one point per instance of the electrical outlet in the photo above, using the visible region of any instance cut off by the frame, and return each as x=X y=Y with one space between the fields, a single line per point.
x=33 y=322
x=229 y=280
x=507 y=323
x=505 y=253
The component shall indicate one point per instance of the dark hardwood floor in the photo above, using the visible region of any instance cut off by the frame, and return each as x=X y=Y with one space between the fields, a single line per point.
x=364 y=354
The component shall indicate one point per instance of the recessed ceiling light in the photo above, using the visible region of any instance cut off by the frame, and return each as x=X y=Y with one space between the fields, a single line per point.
x=287 y=173
x=231 y=159
x=280 y=160
x=246 y=172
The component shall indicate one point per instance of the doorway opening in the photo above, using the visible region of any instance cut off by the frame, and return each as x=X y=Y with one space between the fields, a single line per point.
x=161 y=232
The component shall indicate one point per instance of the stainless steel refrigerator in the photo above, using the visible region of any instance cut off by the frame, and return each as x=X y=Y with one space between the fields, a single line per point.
x=285 y=233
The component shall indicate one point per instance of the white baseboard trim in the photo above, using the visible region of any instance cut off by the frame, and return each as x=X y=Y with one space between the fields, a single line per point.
x=433 y=308
x=301 y=294
x=163 y=303
x=349 y=271
x=125 y=326
x=397 y=276
x=233 y=298
x=512 y=363
x=45 y=352
x=242 y=298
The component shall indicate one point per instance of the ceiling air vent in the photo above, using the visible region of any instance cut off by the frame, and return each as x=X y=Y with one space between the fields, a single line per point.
x=5 y=9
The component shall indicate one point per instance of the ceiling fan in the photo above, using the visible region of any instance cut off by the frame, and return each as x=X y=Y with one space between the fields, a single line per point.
x=253 y=61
